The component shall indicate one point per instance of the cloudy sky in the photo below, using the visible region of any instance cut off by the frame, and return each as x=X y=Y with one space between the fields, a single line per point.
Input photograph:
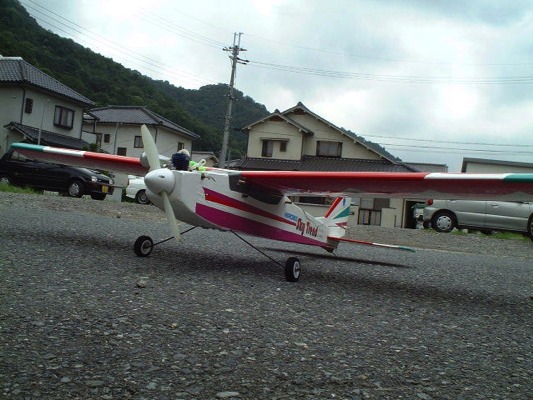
x=432 y=81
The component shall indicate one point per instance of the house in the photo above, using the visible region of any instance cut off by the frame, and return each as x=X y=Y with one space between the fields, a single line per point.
x=481 y=165
x=210 y=159
x=117 y=130
x=300 y=140
x=38 y=108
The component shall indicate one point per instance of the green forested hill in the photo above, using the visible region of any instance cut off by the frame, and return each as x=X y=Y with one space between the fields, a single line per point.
x=108 y=83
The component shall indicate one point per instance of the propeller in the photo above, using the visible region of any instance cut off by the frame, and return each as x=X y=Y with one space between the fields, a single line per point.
x=160 y=179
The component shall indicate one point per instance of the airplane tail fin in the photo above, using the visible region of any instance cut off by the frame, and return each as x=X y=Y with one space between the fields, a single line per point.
x=336 y=218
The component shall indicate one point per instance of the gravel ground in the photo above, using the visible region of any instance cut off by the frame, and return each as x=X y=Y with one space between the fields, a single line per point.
x=82 y=318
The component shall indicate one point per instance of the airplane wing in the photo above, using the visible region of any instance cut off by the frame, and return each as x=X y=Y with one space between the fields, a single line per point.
x=267 y=184
x=80 y=158
x=513 y=187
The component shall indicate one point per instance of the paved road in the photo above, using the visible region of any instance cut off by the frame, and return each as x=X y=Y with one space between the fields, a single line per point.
x=217 y=320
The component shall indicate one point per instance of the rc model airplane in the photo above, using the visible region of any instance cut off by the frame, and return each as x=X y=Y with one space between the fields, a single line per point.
x=257 y=202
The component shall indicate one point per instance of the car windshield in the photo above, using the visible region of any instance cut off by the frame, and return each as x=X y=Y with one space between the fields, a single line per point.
x=20 y=157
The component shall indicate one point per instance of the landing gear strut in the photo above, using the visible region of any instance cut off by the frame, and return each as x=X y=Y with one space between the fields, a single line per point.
x=292 y=266
x=144 y=245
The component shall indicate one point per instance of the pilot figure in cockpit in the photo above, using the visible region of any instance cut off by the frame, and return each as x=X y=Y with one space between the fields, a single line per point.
x=180 y=160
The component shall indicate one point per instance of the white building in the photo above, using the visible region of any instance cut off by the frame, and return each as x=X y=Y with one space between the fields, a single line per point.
x=298 y=139
x=38 y=108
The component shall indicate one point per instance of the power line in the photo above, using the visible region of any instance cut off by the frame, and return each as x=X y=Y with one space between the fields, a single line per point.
x=170 y=26
x=388 y=59
x=393 y=78
x=456 y=149
x=89 y=37
x=450 y=141
x=413 y=139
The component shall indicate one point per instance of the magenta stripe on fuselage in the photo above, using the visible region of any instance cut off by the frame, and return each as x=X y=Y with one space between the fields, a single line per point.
x=216 y=197
x=246 y=225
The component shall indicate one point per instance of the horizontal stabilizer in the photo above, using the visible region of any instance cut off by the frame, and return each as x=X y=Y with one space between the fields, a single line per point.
x=389 y=246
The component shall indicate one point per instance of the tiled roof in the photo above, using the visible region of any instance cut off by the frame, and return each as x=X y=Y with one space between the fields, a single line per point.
x=14 y=70
x=48 y=138
x=421 y=167
x=314 y=163
x=136 y=115
x=267 y=164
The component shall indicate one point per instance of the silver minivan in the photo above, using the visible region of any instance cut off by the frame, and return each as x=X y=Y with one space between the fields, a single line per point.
x=486 y=216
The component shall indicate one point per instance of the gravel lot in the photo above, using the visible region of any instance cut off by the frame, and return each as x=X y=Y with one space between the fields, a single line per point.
x=82 y=318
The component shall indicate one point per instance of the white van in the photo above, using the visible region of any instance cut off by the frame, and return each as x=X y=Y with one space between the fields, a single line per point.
x=486 y=216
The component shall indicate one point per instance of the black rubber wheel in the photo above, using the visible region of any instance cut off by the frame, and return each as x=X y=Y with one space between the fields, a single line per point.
x=5 y=179
x=143 y=246
x=75 y=189
x=141 y=197
x=530 y=227
x=292 y=269
x=443 y=221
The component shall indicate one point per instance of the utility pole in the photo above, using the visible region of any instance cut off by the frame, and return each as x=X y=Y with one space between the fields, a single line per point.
x=235 y=49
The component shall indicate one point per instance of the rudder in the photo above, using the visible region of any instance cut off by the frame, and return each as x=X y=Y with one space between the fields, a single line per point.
x=336 y=218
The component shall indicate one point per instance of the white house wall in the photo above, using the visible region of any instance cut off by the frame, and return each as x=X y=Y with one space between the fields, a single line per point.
x=277 y=131
x=124 y=137
x=12 y=102
x=493 y=168
x=10 y=110
x=323 y=132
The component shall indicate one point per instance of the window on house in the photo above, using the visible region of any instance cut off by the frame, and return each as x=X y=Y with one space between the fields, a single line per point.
x=328 y=149
x=107 y=137
x=138 y=142
x=28 y=106
x=64 y=117
x=121 y=151
x=268 y=146
x=181 y=146
x=282 y=147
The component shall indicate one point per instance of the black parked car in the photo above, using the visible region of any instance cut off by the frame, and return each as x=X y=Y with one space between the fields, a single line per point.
x=20 y=170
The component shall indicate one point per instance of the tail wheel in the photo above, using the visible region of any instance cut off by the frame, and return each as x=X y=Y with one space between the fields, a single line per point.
x=143 y=246
x=293 y=269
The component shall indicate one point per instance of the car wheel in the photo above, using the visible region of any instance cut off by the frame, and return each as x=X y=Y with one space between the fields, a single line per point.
x=4 y=179
x=98 y=196
x=530 y=227
x=444 y=221
x=75 y=189
x=141 y=197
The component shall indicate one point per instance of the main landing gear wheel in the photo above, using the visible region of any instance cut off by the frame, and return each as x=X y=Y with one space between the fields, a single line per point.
x=143 y=246
x=292 y=269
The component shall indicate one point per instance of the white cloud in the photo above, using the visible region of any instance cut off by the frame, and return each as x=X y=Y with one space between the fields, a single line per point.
x=409 y=67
